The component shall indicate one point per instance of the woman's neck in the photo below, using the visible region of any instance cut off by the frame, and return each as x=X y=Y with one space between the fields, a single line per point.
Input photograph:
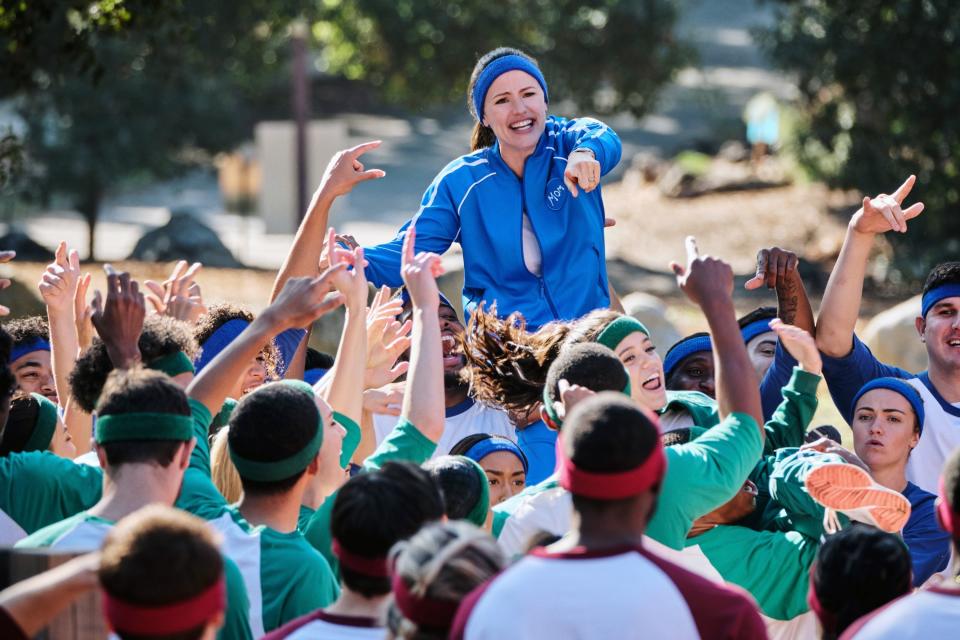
x=892 y=477
x=515 y=158
x=354 y=604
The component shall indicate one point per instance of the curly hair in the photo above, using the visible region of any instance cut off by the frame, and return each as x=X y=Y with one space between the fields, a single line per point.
x=161 y=336
x=25 y=329
x=507 y=366
x=219 y=314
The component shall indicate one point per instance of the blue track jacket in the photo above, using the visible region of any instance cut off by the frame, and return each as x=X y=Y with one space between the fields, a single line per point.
x=479 y=202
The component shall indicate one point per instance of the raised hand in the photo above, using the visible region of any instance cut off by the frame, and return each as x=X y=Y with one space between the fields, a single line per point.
x=303 y=300
x=83 y=312
x=800 y=344
x=704 y=278
x=774 y=267
x=58 y=284
x=420 y=272
x=119 y=320
x=345 y=171
x=179 y=295
x=582 y=171
x=384 y=400
x=387 y=339
x=352 y=283
x=570 y=396
x=885 y=213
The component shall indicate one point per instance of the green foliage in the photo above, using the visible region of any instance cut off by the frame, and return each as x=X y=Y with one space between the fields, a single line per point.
x=604 y=55
x=880 y=93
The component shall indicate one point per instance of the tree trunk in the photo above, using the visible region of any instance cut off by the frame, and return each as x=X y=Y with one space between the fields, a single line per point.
x=89 y=207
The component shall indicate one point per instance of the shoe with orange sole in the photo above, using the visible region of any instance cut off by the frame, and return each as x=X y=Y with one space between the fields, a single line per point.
x=848 y=489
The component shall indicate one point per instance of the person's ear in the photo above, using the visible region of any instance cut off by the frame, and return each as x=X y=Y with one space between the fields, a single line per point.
x=185 y=452
x=101 y=455
x=921 y=325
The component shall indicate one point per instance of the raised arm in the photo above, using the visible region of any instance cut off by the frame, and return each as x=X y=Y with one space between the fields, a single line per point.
x=343 y=173
x=302 y=301
x=778 y=269
x=345 y=389
x=708 y=282
x=841 y=300
x=423 y=402
x=119 y=319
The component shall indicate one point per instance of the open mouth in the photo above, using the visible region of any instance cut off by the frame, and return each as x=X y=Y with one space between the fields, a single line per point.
x=452 y=357
x=751 y=488
x=252 y=386
x=522 y=125
x=874 y=443
x=652 y=383
x=954 y=342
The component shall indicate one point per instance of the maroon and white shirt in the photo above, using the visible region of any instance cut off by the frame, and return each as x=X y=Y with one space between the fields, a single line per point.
x=625 y=593
x=321 y=625
x=931 y=613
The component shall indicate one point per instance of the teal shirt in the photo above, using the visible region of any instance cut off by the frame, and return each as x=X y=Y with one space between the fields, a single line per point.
x=38 y=488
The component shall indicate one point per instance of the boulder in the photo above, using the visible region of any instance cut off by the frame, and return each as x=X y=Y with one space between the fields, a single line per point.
x=892 y=336
x=652 y=312
x=184 y=237
x=28 y=250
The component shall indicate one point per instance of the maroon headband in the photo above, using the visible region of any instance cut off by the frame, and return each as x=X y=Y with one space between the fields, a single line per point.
x=375 y=567
x=948 y=519
x=617 y=485
x=165 y=619
x=424 y=611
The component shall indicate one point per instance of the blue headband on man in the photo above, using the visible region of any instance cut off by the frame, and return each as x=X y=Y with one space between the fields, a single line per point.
x=34 y=344
x=219 y=340
x=937 y=294
x=485 y=447
x=405 y=298
x=755 y=328
x=899 y=386
x=497 y=68
x=686 y=347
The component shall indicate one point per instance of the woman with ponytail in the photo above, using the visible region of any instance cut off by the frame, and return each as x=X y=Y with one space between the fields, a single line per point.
x=525 y=204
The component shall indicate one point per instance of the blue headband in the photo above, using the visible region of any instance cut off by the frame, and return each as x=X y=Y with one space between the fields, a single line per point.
x=219 y=340
x=684 y=348
x=485 y=447
x=899 y=386
x=405 y=298
x=937 y=294
x=497 y=68
x=34 y=344
x=312 y=376
x=755 y=328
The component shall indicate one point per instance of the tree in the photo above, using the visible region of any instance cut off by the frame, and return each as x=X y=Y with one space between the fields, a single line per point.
x=878 y=80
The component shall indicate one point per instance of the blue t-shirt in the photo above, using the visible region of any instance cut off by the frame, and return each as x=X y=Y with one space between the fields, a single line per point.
x=846 y=375
x=929 y=544
x=539 y=443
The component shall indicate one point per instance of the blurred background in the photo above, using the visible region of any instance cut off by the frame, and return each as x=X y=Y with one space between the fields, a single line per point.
x=143 y=132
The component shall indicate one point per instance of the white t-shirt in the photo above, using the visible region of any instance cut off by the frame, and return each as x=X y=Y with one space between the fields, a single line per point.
x=321 y=625
x=532 y=258
x=941 y=436
x=467 y=418
x=623 y=593
x=933 y=613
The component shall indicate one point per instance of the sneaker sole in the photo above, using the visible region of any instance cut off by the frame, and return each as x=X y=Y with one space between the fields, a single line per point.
x=846 y=487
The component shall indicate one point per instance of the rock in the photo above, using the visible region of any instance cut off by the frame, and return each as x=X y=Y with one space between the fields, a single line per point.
x=647 y=165
x=184 y=237
x=28 y=250
x=733 y=151
x=892 y=336
x=652 y=312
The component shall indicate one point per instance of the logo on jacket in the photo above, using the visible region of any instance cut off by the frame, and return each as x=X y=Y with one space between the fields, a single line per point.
x=556 y=193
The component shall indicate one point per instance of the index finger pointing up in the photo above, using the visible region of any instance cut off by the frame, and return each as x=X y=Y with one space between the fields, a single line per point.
x=409 y=240
x=362 y=148
x=693 y=252
x=904 y=190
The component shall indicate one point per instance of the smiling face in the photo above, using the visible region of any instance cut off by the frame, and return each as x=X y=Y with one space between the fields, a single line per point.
x=505 y=475
x=331 y=476
x=735 y=509
x=761 y=350
x=643 y=364
x=516 y=110
x=940 y=331
x=694 y=373
x=35 y=374
x=884 y=429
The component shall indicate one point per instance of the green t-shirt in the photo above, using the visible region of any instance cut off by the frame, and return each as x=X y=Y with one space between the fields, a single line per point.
x=285 y=577
x=788 y=424
x=701 y=408
x=38 y=488
x=404 y=443
x=83 y=533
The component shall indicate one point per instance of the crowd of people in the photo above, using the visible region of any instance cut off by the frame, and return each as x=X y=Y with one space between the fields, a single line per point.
x=531 y=469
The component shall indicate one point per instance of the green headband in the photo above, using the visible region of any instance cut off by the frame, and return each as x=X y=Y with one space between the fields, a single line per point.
x=619 y=329
x=172 y=364
x=125 y=427
x=299 y=385
x=552 y=412
x=44 y=427
x=261 y=471
x=478 y=514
